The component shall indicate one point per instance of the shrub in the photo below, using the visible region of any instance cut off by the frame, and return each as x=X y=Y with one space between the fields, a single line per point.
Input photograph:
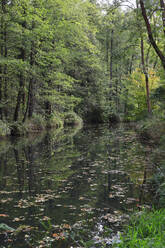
x=71 y=119
x=37 y=122
x=54 y=121
x=152 y=129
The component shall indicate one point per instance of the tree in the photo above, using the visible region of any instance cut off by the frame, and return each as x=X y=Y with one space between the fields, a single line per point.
x=149 y=30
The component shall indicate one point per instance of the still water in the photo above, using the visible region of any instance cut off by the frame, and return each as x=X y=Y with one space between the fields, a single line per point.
x=67 y=179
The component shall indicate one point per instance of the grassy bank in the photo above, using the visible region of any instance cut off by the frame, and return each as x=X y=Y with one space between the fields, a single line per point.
x=146 y=230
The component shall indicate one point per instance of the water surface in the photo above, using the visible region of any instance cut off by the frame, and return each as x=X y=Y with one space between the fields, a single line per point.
x=97 y=174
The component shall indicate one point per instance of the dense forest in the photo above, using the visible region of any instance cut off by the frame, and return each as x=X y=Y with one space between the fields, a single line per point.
x=62 y=60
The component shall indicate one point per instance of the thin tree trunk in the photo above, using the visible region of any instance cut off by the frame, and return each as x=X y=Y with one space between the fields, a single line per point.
x=1 y=112
x=30 y=100
x=20 y=95
x=131 y=64
x=5 y=73
x=48 y=109
x=107 y=50
x=150 y=35
x=1 y=50
x=146 y=77
x=162 y=5
x=32 y=81
x=111 y=58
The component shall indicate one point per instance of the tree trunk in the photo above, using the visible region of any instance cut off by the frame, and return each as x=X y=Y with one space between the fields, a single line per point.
x=111 y=59
x=32 y=81
x=1 y=50
x=28 y=109
x=30 y=100
x=48 y=109
x=146 y=77
x=107 y=50
x=162 y=5
x=20 y=95
x=5 y=72
x=131 y=64
x=150 y=35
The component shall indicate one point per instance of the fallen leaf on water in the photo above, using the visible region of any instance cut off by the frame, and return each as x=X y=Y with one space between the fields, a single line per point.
x=9 y=240
x=55 y=235
x=58 y=236
x=81 y=198
x=46 y=218
x=4 y=215
x=16 y=219
x=6 y=200
x=66 y=226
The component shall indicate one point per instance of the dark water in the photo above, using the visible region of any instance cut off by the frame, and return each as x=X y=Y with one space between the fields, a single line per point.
x=96 y=174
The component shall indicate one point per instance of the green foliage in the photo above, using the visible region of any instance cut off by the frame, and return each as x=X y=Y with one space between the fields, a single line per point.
x=76 y=56
x=17 y=129
x=55 y=120
x=37 y=122
x=71 y=119
x=147 y=229
x=55 y=51
x=4 y=128
x=134 y=94
x=151 y=129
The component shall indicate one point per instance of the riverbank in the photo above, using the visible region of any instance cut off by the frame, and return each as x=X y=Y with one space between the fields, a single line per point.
x=38 y=124
x=146 y=228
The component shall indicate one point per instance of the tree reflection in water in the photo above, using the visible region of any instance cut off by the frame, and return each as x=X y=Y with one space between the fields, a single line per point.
x=100 y=174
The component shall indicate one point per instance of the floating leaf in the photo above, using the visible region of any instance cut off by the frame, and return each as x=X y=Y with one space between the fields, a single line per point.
x=58 y=236
x=4 y=215
x=66 y=226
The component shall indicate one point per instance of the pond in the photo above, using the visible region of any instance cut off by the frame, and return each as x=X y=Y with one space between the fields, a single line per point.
x=55 y=181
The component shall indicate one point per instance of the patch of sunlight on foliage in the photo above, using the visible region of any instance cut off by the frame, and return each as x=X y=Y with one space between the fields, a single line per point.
x=137 y=79
x=135 y=86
